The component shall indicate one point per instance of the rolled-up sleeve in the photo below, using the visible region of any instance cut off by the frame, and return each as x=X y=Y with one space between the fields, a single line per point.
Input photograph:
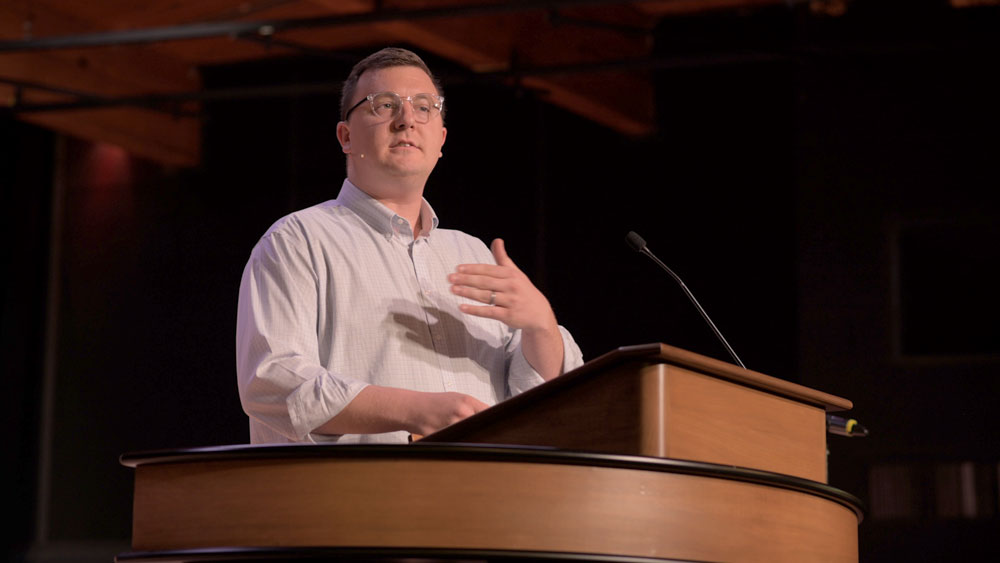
x=521 y=376
x=282 y=383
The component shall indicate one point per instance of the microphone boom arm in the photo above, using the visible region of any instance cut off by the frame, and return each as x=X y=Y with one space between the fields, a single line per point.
x=834 y=424
x=639 y=244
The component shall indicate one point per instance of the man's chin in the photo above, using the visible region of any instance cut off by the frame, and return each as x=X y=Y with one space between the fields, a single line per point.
x=393 y=178
x=408 y=169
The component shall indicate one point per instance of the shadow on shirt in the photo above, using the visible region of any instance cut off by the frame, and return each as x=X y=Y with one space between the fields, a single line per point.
x=454 y=337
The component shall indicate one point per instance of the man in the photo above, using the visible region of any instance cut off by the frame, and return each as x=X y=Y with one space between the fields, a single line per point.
x=359 y=319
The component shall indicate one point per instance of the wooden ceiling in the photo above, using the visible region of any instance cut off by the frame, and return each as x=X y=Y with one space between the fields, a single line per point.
x=127 y=72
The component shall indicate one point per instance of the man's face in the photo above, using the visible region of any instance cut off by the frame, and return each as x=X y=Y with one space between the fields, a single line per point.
x=383 y=151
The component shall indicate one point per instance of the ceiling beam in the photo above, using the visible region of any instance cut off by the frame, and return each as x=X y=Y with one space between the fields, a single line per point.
x=154 y=136
x=92 y=75
x=154 y=83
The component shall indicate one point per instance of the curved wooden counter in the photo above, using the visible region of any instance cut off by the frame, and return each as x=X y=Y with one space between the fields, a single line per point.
x=444 y=501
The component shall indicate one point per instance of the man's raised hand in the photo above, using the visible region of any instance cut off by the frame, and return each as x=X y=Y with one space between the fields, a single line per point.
x=505 y=291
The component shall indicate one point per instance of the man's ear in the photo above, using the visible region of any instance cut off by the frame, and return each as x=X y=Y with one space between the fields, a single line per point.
x=344 y=136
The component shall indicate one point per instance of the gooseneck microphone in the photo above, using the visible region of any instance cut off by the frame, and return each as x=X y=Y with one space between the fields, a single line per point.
x=834 y=424
x=639 y=245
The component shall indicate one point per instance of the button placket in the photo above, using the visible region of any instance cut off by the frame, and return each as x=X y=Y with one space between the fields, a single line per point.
x=419 y=253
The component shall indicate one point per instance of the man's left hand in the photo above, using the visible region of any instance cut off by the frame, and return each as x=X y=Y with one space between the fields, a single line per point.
x=505 y=291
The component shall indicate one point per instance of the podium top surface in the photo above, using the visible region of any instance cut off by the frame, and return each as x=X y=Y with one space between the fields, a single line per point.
x=663 y=353
x=643 y=355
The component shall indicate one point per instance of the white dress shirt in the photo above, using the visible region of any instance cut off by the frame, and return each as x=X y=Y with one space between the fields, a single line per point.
x=340 y=295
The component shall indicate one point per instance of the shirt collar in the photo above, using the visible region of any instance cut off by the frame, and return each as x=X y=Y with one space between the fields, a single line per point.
x=380 y=217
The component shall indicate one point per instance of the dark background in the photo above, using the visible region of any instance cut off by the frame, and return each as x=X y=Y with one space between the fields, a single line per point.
x=831 y=203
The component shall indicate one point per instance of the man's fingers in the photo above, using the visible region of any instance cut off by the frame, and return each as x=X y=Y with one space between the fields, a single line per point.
x=464 y=406
x=478 y=405
x=490 y=270
x=477 y=281
x=485 y=311
x=487 y=296
x=438 y=410
x=500 y=253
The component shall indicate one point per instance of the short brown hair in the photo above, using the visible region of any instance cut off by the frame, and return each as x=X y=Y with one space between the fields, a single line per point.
x=388 y=57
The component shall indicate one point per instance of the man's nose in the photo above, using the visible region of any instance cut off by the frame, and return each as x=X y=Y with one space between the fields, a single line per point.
x=405 y=119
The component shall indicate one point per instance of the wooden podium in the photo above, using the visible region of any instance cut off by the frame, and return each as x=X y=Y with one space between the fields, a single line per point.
x=648 y=453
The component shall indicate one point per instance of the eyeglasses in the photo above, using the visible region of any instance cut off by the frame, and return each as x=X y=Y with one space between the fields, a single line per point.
x=389 y=105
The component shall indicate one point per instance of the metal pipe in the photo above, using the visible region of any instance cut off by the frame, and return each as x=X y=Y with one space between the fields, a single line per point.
x=156 y=101
x=270 y=27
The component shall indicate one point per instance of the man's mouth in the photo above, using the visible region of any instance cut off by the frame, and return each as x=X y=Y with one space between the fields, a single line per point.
x=404 y=144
